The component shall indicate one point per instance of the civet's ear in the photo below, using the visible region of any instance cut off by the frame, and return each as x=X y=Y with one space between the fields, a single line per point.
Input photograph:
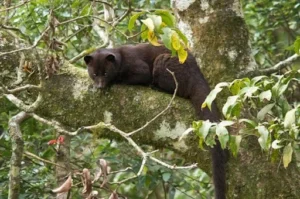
x=88 y=59
x=111 y=57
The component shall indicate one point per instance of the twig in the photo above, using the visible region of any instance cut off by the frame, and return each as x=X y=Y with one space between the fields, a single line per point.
x=75 y=33
x=86 y=52
x=56 y=125
x=13 y=7
x=162 y=112
x=275 y=68
x=145 y=157
x=19 y=89
x=31 y=155
x=30 y=47
x=173 y=167
x=119 y=171
x=125 y=180
x=71 y=20
x=124 y=15
x=104 y=2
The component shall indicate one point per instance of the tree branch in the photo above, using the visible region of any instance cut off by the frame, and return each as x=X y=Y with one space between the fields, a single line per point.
x=268 y=71
x=13 y=7
x=17 y=153
x=163 y=111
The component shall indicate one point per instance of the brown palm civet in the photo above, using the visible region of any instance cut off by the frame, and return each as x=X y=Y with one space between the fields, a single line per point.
x=146 y=64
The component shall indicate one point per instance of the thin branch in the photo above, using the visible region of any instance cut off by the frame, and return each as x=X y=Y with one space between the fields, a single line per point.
x=30 y=47
x=125 y=180
x=13 y=7
x=128 y=11
x=173 y=167
x=104 y=2
x=31 y=155
x=86 y=52
x=21 y=105
x=119 y=171
x=267 y=71
x=71 y=20
x=56 y=125
x=163 y=111
x=75 y=33
x=145 y=157
x=19 y=89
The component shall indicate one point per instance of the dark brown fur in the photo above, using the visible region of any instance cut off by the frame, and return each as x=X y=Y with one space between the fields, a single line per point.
x=127 y=64
x=146 y=64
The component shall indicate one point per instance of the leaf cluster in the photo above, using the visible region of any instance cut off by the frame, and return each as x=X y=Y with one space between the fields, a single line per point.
x=256 y=107
x=160 y=25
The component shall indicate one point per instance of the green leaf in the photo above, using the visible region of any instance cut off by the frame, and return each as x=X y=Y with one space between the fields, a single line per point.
x=236 y=110
x=287 y=155
x=297 y=46
x=249 y=91
x=210 y=139
x=166 y=37
x=235 y=86
x=281 y=85
x=283 y=88
x=204 y=129
x=266 y=95
x=257 y=79
x=263 y=139
x=231 y=101
x=132 y=20
x=289 y=118
x=144 y=34
x=196 y=125
x=261 y=114
x=167 y=17
x=213 y=94
x=223 y=135
x=84 y=11
x=235 y=141
x=166 y=176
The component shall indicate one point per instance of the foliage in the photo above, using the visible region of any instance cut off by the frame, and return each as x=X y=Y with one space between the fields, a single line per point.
x=162 y=24
x=257 y=107
x=273 y=26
